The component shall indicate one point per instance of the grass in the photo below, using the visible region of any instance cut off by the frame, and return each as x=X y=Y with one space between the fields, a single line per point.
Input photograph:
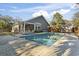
x=6 y=33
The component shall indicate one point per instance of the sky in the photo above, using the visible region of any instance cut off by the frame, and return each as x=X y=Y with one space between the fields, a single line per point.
x=27 y=11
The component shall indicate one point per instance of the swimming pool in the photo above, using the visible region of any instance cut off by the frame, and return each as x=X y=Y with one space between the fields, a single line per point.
x=43 y=38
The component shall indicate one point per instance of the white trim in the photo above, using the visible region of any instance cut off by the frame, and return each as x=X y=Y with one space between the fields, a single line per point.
x=24 y=26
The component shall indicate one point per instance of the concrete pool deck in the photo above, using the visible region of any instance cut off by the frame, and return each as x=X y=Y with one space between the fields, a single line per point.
x=68 y=46
x=5 y=48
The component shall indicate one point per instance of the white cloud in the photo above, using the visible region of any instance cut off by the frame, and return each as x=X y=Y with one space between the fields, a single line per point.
x=18 y=10
x=41 y=12
x=14 y=7
x=77 y=5
x=47 y=7
x=2 y=9
x=44 y=9
x=73 y=6
x=48 y=16
x=61 y=11
x=64 y=11
x=23 y=10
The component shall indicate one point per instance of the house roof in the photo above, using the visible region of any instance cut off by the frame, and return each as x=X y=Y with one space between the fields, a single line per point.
x=39 y=18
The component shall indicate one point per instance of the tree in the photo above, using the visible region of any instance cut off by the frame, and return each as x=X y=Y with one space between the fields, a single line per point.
x=76 y=19
x=6 y=22
x=58 y=21
x=76 y=24
x=2 y=24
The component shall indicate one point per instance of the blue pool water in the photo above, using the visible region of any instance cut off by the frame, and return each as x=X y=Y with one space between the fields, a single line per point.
x=43 y=38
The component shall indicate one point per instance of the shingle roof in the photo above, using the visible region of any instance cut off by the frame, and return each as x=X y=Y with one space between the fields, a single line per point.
x=37 y=19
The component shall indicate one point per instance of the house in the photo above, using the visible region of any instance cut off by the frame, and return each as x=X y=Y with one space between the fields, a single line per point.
x=15 y=27
x=35 y=24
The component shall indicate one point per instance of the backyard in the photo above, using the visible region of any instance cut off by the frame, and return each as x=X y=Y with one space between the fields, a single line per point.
x=39 y=35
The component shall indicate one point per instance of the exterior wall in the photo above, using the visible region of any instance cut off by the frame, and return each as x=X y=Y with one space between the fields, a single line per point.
x=42 y=21
x=15 y=28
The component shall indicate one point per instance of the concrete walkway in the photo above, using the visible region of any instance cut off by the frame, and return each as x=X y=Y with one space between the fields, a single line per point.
x=70 y=47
